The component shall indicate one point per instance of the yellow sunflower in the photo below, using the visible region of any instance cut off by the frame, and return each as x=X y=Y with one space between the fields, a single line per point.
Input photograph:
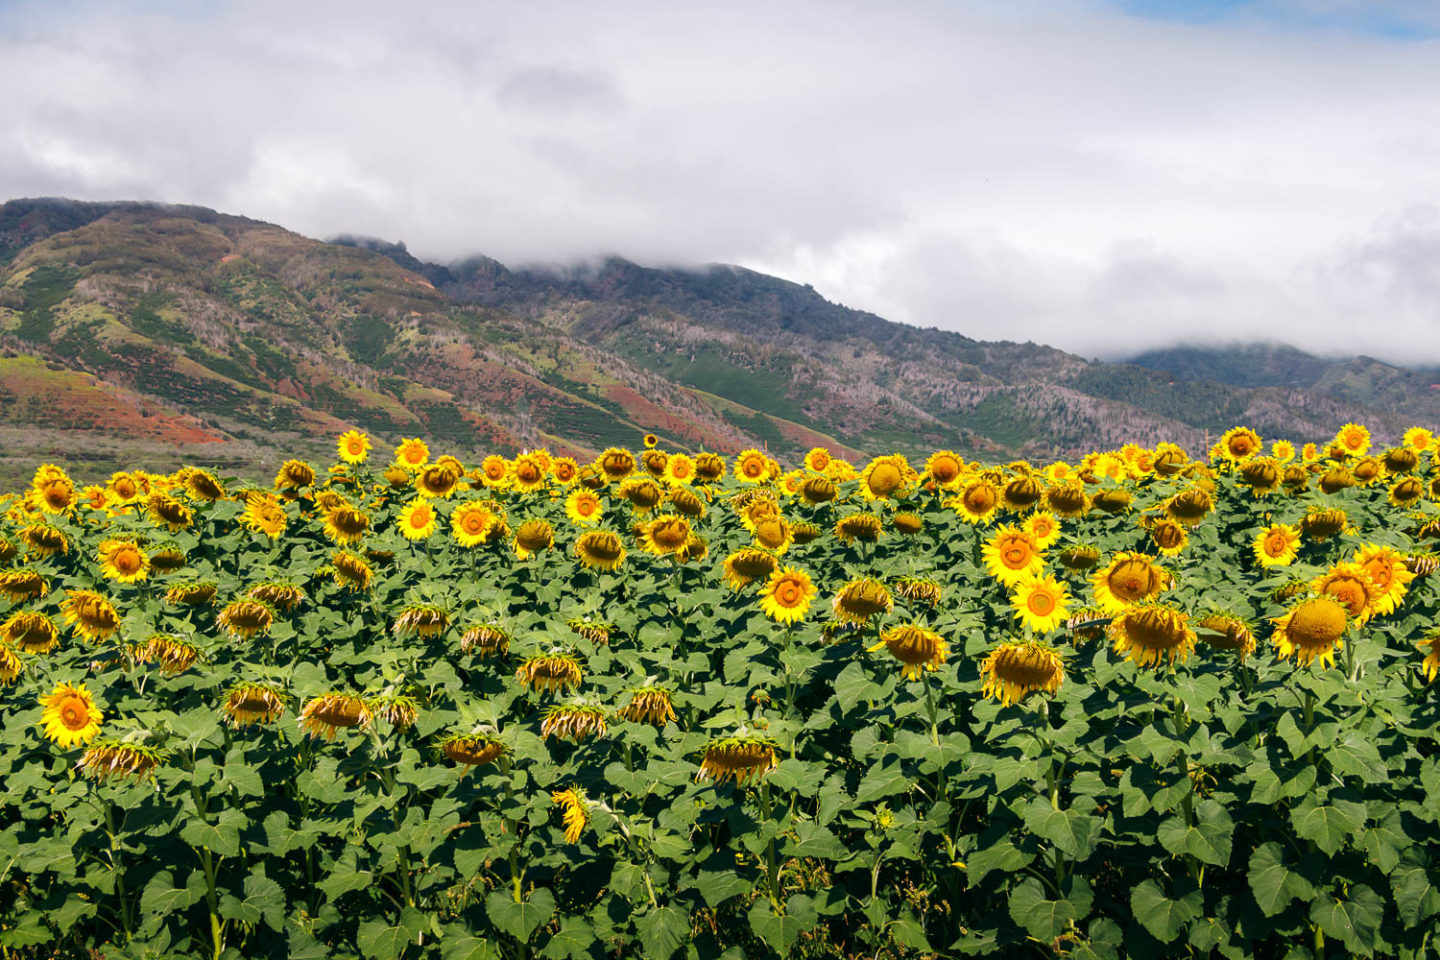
x=1169 y=536
x=1388 y=572
x=859 y=600
x=885 y=477
x=752 y=466
x=495 y=472
x=1128 y=579
x=70 y=718
x=1353 y=440
x=54 y=490
x=265 y=515
x=1043 y=527
x=123 y=560
x=1277 y=545
x=1431 y=664
x=30 y=632
x=1042 y=605
x=471 y=524
x=679 y=469
x=527 y=473
x=600 y=549
x=1151 y=633
x=92 y=615
x=917 y=648
x=666 y=534
x=787 y=595
x=1067 y=499
x=747 y=565
x=248 y=703
x=1238 y=444
x=945 y=467
x=1313 y=630
x=1419 y=439
x=532 y=537
x=1283 y=451
x=353 y=446
x=1011 y=555
x=471 y=750
x=572 y=802
x=616 y=464
x=550 y=673
x=1350 y=584
x=738 y=759
x=330 y=713
x=412 y=454
x=417 y=519
x=1016 y=669
x=344 y=524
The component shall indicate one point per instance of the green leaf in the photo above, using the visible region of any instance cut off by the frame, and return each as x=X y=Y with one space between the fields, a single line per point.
x=1417 y=894
x=379 y=940
x=885 y=778
x=1273 y=883
x=1001 y=855
x=1043 y=918
x=264 y=901
x=908 y=932
x=162 y=897
x=459 y=944
x=571 y=942
x=1329 y=825
x=813 y=840
x=522 y=919
x=780 y=931
x=1161 y=916
x=1355 y=920
x=717 y=886
x=1071 y=831
x=663 y=931
x=222 y=836
x=1207 y=840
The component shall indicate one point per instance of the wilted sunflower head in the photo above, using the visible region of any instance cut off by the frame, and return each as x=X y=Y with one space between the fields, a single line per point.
x=1151 y=633
x=573 y=722
x=600 y=548
x=29 y=632
x=643 y=493
x=168 y=558
x=486 y=640
x=1320 y=525
x=917 y=648
x=1022 y=493
x=709 y=467
x=398 y=710
x=1129 y=579
x=1113 y=500
x=1406 y=491
x=91 y=614
x=1295 y=478
x=859 y=600
x=550 y=673
x=470 y=749
x=747 y=565
x=859 y=526
x=1016 y=669
x=330 y=713
x=654 y=462
x=738 y=759
x=1169 y=536
x=917 y=590
x=773 y=533
x=351 y=571
x=649 y=704
x=1261 y=475
x=907 y=524
x=804 y=532
x=1400 y=460
x=666 y=534
x=533 y=536
x=422 y=619
x=616 y=464
x=174 y=654
x=1226 y=631
x=192 y=593
x=1337 y=478
x=44 y=540
x=818 y=489
x=294 y=475
x=107 y=758
x=245 y=618
x=248 y=702
x=686 y=502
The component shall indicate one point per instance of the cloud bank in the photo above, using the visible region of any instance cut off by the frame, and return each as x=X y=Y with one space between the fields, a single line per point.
x=1102 y=177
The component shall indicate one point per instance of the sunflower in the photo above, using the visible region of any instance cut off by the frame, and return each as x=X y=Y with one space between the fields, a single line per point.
x=485 y=639
x=353 y=446
x=666 y=534
x=885 y=477
x=1311 y=631
x=471 y=524
x=643 y=493
x=1169 y=536
x=294 y=475
x=1239 y=444
x=1115 y=500
x=527 y=473
x=918 y=590
x=687 y=502
x=11 y=665
x=550 y=673
x=1388 y=572
x=417 y=519
x=738 y=759
x=44 y=540
x=70 y=718
x=654 y=462
x=650 y=705
x=422 y=620
x=1225 y=631
x=601 y=549
x=1398 y=460
x=573 y=722
x=1337 y=478
x=616 y=464
x=787 y=595
x=804 y=532
x=1016 y=669
x=191 y=593
x=1405 y=492
x=495 y=472
x=1353 y=440
x=351 y=571
x=330 y=713
x=412 y=454
x=123 y=487
x=1150 y=633
x=747 y=565
x=1011 y=555
x=1321 y=525
x=245 y=618
x=565 y=470
x=91 y=614
x=1368 y=470
x=1419 y=439
x=776 y=534
x=1351 y=585
x=596 y=631
x=1431 y=664
x=54 y=490
x=752 y=466
x=859 y=600
x=23 y=585
x=815 y=490
x=1282 y=450
x=344 y=524
x=533 y=536
x=817 y=459
x=168 y=558
x=575 y=813
x=1068 y=500
x=907 y=524
x=108 y=758
x=1277 y=545
x=173 y=654
x=1041 y=604
x=265 y=515
x=945 y=467
x=858 y=526
x=709 y=467
x=471 y=750
x=1021 y=494
x=1130 y=578
x=1043 y=527
x=917 y=648
x=30 y=632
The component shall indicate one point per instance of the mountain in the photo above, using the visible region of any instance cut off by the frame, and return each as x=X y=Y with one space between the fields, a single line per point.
x=147 y=333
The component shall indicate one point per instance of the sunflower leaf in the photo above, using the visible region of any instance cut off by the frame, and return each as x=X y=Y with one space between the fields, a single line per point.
x=1161 y=916
x=1273 y=883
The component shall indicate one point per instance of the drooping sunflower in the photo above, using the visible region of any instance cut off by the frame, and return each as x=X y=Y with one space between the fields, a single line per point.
x=20 y=585
x=107 y=758
x=173 y=654
x=591 y=628
x=1353 y=440
x=471 y=749
x=1350 y=584
x=70 y=717
x=248 y=703
x=1320 y=525
x=533 y=536
x=1239 y=444
x=1170 y=537
x=1021 y=494
x=1312 y=630
x=918 y=590
x=168 y=558
x=1017 y=668
x=1011 y=555
x=709 y=467
x=329 y=713
x=859 y=600
x=191 y=593
x=1128 y=579
x=550 y=673
x=649 y=704
x=422 y=620
x=917 y=648
x=294 y=475
x=747 y=565
x=738 y=759
x=666 y=534
x=616 y=464
x=92 y=615
x=643 y=493
x=1405 y=492
x=1067 y=499
x=687 y=502
x=574 y=813
x=30 y=632
x=1277 y=545
x=11 y=666
x=885 y=477
x=1042 y=604
x=245 y=618
x=816 y=489
x=485 y=639
x=44 y=540
x=344 y=524
x=573 y=722
x=1150 y=633
x=1388 y=572
x=907 y=524
x=654 y=462
x=352 y=571
x=417 y=519
x=600 y=549
x=412 y=454
x=865 y=527
x=1113 y=500
x=787 y=595
x=1398 y=460
x=1226 y=631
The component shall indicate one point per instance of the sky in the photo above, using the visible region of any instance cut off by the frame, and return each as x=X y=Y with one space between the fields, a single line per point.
x=1107 y=176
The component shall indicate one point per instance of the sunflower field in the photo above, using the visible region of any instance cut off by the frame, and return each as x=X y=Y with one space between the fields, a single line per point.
x=669 y=704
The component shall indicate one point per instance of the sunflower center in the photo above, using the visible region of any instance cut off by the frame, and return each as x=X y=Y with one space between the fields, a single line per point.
x=127 y=561
x=1131 y=580
x=788 y=593
x=885 y=479
x=980 y=499
x=420 y=519
x=1041 y=603
x=472 y=523
x=1350 y=592
x=752 y=468
x=945 y=470
x=74 y=714
x=1275 y=544
x=1317 y=623
x=1015 y=554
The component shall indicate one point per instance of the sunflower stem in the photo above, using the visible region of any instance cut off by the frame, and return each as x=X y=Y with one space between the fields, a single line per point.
x=772 y=864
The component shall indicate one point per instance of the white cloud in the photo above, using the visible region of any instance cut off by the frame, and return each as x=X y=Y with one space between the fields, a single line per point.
x=1053 y=171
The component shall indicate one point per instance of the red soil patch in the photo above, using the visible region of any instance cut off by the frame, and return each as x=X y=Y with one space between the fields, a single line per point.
x=652 y=416
x=33 y=394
